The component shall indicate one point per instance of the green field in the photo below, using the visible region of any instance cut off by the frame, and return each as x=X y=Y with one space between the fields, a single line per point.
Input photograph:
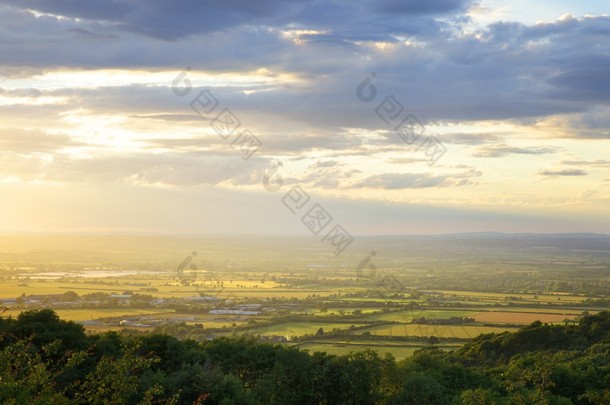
x=341 y=348
x=300 y=328
x=409 y=315
x=448 y=331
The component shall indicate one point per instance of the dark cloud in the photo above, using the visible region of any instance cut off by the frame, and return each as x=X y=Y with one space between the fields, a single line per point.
x=275 y=143
x=177 y=19
x=324 y=174
x=503 y=150
x=170 y=117
x=592 y=163
x=506 y=71
x=397 y=181
x=468 y=139
x=406 y=160
x=586 y=83
x=325 y=163
x=109 y=10
x=89 y=34
x=33 y=141
x=418 y=7
x=563 y=172
x=176 y=169
x=158 y=18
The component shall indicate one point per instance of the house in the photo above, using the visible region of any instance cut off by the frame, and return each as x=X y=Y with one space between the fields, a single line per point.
x=122 y=297
x=8 y=301
x=203 y=299
x=233 y=312
x=248 y=306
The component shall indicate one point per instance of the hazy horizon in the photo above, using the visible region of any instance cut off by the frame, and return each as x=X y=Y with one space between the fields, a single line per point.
x=303 y=235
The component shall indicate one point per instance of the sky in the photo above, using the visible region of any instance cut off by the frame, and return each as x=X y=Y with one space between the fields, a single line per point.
x=243 y=117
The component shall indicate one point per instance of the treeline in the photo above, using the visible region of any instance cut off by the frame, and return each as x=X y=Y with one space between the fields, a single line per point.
x=47 y=360
x=540 y=283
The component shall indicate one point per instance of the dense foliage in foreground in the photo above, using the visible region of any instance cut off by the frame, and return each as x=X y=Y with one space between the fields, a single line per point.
x=46 y=360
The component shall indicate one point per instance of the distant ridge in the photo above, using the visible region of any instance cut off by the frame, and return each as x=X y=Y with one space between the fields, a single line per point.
x=497 y=235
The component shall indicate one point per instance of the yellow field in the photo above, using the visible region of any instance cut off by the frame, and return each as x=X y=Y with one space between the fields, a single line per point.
x=102 y=329
x=92 y=314
x=217 y=324
x=457 y=331
x=338 y=348
x=536 y=310
x=166 y=284
x=409 y=315
x=299 y=328
x=502 y=296
x=519 y=317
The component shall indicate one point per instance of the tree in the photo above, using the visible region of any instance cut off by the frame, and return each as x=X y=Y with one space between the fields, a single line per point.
x=433 y=340
x=114 y=380
x=44 y=327
x=69 y=296
x=422 y=390
x=24 y=377
x=479 y=396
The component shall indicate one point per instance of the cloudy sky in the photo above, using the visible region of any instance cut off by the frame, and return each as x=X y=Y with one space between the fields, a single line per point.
x=393 y=116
